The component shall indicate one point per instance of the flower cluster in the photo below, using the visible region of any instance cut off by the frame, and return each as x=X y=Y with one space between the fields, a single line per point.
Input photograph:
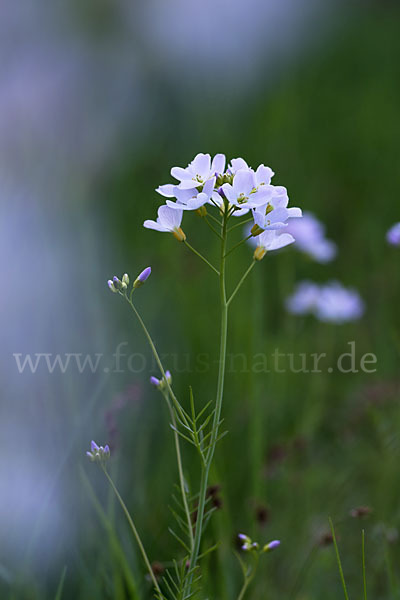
x=161 y=384
x=393 y=235
x=236 y=189
x=330 y=302
x=121 y=285
x=248 y=545
x=98 y=453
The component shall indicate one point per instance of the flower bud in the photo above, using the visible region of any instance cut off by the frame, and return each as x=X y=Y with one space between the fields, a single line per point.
x=98 y=453
x=259 y=253
x=110 y=284
x=117 y=283
x=125 y=279
x=271 y=546
x=142 y=277
x=161 y=384
x=202 y=211
x=256 y=230
x=179 y=234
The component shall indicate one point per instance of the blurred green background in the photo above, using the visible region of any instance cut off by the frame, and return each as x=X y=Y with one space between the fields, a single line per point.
x=98 y=100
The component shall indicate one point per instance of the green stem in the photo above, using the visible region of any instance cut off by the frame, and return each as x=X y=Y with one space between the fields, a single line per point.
x=363 y=564
x=339 y=562
x=248 y=578
x=158 y=361
x=180 y=471
x=179 y=410
x=210 y=216
x=240 y=224
x=239 y=285
x=217 y=413
x=135 y=533
x=238 y=244
x=211 y=227
x=201 y=256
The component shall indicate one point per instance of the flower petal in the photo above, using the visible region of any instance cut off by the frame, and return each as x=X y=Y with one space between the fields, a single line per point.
x=166 y=190
x=218 y=164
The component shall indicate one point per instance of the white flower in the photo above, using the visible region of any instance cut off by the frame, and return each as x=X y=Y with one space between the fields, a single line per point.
x=274 y=214
x=271 y=240
x=237 y=164
x=168 y=219
x=263 y=175
x=200 y=170
x=192 y=199
x=243 y=192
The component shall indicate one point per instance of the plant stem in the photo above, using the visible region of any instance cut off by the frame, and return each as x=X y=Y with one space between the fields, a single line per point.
x=240 y=224
x=135 y=533
x=363 y=564
x=339 y=562
x=248 y=578
x=239 y=285
x=158 y=361
x=179 y=410
x=238 y=244
x=217 y=413
x=180 y=471
x=201 y=256
x=211 y=227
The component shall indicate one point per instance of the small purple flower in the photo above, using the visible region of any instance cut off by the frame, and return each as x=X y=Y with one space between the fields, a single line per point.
x=393 y=235
x=154 y=381
x=94 y=447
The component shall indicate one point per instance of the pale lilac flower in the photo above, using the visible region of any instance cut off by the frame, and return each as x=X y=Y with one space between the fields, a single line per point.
x=338 y=304
x=393 y=235
x=309 y=234
x=200 y=170
x=243 y=192
x=263 y=175
x=236 y=165
x=330 y=302
x=271 y=240
x=192 y=199
x=274 y=214
x=168 y=219
x=304 y=299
